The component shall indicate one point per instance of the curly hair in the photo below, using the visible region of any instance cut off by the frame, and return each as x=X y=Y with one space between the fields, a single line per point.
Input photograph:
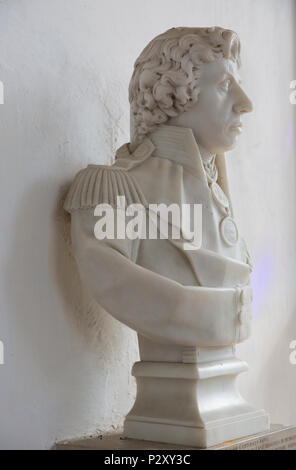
x=165 y=81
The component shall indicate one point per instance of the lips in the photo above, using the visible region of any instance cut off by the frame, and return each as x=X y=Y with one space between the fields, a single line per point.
x=237 y=127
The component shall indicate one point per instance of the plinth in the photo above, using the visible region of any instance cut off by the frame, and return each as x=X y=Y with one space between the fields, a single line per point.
x=278 y=438
x=192 y=404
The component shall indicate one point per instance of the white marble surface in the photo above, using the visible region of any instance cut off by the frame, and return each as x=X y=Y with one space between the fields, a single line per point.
x=66 y=106
x=191 y=74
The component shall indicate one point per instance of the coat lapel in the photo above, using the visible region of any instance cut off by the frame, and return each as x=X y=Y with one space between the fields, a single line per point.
x=167 y=145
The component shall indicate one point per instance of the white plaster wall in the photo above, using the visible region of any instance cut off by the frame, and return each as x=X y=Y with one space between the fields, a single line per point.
x=65 y=65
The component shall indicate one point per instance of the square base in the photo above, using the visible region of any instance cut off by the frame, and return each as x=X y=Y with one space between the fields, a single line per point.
x=278 y=438
x=199 y=437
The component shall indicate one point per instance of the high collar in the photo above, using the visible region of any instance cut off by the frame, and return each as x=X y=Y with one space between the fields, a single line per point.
x=178 y=145
x=173 y=143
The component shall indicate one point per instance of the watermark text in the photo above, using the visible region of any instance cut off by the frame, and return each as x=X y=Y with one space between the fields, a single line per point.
x=293 y=94
x=178 y=222
x=1 y=93
x=292 y=356
x=1 y=353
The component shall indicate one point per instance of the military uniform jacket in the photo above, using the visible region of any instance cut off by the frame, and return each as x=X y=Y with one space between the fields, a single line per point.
x=169 y=295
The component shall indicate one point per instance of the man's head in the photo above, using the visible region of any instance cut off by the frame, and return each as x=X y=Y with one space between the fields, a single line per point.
x=189 y=74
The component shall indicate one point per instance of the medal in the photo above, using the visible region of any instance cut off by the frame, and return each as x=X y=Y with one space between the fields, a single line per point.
x=229 y=231
x=228 y=227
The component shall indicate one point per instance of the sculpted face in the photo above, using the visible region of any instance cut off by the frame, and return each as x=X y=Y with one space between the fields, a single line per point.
x=216 y=117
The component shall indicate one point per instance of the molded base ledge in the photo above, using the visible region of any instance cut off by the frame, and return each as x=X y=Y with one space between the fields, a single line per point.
x=278 y=438
x=201 y=438
x=191 y=404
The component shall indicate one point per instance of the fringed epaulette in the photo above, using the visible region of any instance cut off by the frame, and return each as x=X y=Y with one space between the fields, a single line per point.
x=98 y=184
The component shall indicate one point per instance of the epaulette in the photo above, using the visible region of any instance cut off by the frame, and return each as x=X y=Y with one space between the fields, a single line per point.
x=98 y=184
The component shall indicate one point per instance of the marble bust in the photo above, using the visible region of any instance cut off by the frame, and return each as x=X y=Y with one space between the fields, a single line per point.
x=189 y=307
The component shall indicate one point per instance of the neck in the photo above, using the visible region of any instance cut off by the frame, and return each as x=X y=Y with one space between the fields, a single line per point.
x=206 y=155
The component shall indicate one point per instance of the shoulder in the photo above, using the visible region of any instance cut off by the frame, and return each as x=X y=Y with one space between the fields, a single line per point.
x=98 y=184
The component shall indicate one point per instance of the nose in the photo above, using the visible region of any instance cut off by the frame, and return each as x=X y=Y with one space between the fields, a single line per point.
x=242 y=104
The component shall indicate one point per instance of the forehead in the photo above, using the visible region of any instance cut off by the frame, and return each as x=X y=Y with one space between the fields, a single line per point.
x=213 y=71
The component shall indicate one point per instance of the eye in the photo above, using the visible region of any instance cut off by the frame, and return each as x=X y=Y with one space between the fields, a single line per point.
x=225 y=85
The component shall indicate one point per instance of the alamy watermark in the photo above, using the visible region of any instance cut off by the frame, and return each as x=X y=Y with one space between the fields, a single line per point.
x=180 y=222
x=292 y=356
x=293 y=94
x=1 y=353
x=1 y=93
x=1 y=342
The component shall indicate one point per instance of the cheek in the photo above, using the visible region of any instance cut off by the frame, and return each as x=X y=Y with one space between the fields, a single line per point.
x=218 y=123
x=217 y=113
x=213 y=115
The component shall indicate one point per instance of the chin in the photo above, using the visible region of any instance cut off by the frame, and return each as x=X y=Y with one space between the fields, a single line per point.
x=227 y=146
